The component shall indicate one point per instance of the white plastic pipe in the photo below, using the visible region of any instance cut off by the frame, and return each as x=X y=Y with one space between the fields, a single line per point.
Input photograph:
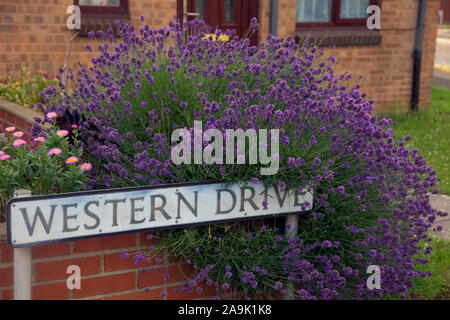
x=22 y=264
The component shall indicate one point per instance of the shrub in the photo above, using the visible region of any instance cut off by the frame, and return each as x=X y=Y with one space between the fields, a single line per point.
x=371 y=193
x=51 y=165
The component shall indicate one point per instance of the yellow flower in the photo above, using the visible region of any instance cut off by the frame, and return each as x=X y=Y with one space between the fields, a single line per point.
x=222 y=37
x=17 y=84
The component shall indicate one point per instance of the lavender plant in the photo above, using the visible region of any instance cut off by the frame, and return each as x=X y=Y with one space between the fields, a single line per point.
x=371 y=192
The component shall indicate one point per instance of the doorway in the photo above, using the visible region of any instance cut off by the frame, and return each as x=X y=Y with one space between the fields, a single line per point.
x=223 y=14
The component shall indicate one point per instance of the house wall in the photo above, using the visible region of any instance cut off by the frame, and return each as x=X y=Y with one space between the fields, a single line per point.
x=35 y=31
x=387 y=69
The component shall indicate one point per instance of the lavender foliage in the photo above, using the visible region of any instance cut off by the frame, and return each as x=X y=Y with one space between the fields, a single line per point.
x=371 y=192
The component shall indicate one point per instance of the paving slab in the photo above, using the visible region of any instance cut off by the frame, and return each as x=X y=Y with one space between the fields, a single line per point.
x=442 y=203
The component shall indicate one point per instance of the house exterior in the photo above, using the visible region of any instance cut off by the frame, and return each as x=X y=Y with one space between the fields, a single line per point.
x=37 y=31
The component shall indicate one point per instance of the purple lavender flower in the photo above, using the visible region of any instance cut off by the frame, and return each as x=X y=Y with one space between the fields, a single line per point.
x=370 y=190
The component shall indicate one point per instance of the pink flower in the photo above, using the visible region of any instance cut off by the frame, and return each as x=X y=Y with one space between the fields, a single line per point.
x=19 y=142
x=71 y=160
x=51 y=115
x=2 y=153
x=54 y=151
x=86 y=166
x=4 y=157
x=10 y=129
x=18 y=134
x=62 y=133
x=39 y=139
x=74 y=126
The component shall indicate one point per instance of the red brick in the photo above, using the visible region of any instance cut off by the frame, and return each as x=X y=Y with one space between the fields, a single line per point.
x=155 y=277
x=114 y=262
x=112 y=242
x=6 y=253
x=51 y=250
x=6 y=277
x=106 y=284
x=177 y=293
x=50 y=291
x=143 y=239
x=7 y=294
x=54 y=270
x=138 y=295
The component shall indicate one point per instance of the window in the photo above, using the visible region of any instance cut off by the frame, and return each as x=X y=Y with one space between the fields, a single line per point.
x=326 y=13
x=102 y=14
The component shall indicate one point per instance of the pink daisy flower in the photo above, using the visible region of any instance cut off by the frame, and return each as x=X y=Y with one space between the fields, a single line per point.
x=2 y=153
x=10 y=129
x=51 y=115
x=39 y=139
x=19 y=142
x=71 y=160
x=18 y=134
x=62 y=133
x=54 y=151
x=86 y=166
x=4 y=157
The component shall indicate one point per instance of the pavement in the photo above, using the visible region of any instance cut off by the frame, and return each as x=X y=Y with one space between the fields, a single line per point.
x=442 y=203
x=442 y=59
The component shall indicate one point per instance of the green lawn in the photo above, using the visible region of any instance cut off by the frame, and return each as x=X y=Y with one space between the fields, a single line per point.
x=438 y=285
x=430 y=133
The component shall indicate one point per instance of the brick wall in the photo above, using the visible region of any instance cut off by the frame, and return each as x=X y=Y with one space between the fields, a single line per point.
x=104 y=275
x=36 y=31
x=387 y=68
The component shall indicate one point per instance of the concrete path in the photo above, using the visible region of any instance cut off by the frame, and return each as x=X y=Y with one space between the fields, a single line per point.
x=442 y=59
x=442 y=203
x=441 y=79
x=443 y=47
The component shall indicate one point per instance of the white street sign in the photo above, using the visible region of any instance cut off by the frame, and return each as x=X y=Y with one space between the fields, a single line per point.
x=44 y=219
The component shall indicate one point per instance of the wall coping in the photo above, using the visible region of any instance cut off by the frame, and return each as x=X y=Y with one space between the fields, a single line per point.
x=19 y=111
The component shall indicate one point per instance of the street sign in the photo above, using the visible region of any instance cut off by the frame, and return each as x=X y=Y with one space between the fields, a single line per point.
x=71 y=216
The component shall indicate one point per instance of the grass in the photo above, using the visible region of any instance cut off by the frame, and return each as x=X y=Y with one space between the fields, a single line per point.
x=430 y=133
x=436 y=286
